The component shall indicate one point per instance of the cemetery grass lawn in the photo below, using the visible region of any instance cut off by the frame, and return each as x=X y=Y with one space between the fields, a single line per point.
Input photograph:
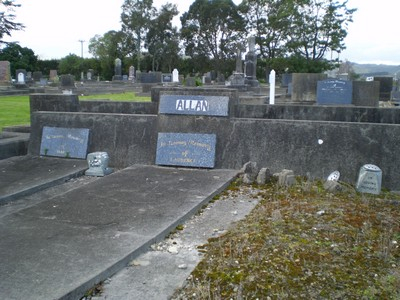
x=303 y=242
x=128 y=96
x=14 y=110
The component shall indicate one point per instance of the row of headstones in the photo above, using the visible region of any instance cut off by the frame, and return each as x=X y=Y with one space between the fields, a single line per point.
x=330 y=91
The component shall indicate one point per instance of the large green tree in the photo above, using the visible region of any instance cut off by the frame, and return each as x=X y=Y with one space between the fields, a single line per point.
x=162 y=39
x=136 y=17
x=297 y=35
x=269 y=21
x=19 y=57
x=7 y=17
x=319 y=27
x=107 y=48
x=213 y=28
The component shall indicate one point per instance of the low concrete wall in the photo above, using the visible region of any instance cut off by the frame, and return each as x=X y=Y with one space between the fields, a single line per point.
x=119 y=107
x=53 y=102
x=129 y=139
x=322 y=113
x=277 y=144
x=13 y=144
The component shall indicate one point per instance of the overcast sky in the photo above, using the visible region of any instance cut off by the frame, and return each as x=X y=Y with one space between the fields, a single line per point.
x=54 y=28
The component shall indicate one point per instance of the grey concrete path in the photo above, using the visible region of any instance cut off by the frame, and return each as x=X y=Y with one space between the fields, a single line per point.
x=62 y=245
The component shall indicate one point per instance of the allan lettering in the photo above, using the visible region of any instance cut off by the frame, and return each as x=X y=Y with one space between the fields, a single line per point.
x=192 y=105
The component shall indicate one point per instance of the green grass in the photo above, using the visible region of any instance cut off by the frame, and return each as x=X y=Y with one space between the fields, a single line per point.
x=14 y=110
x=129 y=96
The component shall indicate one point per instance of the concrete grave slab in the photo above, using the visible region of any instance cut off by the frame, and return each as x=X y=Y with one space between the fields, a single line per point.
x=62 y=246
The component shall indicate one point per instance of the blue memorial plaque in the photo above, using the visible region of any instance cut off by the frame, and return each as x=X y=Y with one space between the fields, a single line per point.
x=333 y=91
x=64 y=142
x=194 y=105
x=186 y=149
x=166 y=78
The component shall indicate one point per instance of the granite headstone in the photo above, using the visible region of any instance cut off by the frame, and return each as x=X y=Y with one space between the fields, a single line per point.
x=334 y=92
x=64 y=142
x=186 y=149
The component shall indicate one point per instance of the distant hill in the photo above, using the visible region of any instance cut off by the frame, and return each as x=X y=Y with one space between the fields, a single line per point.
x=375 y=70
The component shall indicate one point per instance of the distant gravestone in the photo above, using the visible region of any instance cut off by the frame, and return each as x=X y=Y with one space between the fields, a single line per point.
x=148 y=78
x=89 y=74
x=286 y=79
x=175 y=75
x=334 y=92
x=117 y=69
x=67 y=82
x=5 y=73
x=194 y=105
x=166 y=78
x=64 y=142
x=131 y=73
x=20 y=78
x=191 y=81
x=53 y=75
x=304 y=86
x=385 y=87
x=186 y=149
x=369 y=179
x=37 y=75
x=366 y=93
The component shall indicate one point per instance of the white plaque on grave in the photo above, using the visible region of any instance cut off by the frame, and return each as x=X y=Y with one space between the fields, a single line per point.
x=369 y=179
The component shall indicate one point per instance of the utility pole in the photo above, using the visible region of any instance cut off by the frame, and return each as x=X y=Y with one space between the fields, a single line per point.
x=81 y=41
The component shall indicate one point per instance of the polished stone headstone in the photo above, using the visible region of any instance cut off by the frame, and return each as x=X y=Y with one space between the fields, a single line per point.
x=64 y=142
x=369 y=179
x=98 y=164
x=333 y=91
x=166 y=78
x=194 y=105
x=186 y=149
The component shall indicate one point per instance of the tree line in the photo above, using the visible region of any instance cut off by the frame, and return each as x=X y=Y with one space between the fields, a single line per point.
x=291 y=36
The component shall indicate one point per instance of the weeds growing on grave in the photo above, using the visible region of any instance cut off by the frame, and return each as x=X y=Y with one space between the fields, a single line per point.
x=304 y=243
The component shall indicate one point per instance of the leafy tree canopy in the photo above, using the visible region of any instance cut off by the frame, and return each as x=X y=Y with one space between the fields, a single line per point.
x=7 y=17
x=19 y=57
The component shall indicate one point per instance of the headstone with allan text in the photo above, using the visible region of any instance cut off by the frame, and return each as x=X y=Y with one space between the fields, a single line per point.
x=64 y=142
x=194 y=105
x=186 y=149
x=334 y=92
